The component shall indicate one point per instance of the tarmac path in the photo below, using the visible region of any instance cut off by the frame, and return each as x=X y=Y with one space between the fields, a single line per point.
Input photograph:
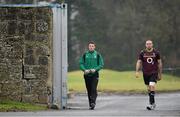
x=168 y=105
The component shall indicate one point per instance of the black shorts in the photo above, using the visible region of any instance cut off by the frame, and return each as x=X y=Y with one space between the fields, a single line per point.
x=150 y=78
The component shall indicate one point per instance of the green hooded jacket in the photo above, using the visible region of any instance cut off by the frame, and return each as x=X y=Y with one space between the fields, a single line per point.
x=91 y=60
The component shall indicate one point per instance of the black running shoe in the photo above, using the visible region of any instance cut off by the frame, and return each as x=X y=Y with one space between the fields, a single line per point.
x=92 y=106
x=151 y=107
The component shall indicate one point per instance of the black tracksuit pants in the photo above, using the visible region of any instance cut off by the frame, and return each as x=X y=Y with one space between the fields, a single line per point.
x=91 y=86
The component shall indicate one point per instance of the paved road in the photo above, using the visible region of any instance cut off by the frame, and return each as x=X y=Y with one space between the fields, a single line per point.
x=168 y=105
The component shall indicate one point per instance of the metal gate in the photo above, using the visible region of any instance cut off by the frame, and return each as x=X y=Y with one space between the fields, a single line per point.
x=59 y=96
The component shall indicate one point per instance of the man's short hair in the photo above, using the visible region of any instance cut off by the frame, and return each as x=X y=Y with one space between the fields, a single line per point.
x=149 y=39
x=92 y=42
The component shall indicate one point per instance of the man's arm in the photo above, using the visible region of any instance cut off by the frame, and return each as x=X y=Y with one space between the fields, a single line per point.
x=138 y=66
x=81 y=63
x=159 y=69
x=101 y=63
x=82 y=67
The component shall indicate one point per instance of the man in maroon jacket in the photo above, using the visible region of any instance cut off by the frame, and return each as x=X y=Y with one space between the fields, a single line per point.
x=150 y=61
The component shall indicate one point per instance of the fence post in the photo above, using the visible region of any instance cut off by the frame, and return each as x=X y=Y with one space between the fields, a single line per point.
x=60 y=56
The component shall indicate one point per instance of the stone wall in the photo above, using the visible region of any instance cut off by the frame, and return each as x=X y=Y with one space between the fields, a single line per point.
x=25 y=53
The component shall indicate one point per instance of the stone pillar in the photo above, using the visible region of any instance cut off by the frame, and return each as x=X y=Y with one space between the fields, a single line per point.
x=25 y=53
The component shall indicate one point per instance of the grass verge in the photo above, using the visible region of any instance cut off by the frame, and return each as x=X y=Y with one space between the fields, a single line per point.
x=121 y=82
x=13 y=106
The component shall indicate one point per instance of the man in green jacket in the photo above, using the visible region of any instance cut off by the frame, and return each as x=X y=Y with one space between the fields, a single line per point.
x=90 y=63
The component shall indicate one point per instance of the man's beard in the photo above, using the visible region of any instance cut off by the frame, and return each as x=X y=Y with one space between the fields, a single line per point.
x=149 y=48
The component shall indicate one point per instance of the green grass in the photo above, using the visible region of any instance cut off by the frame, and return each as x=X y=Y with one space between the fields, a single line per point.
x=6 y=106
x=114 y=81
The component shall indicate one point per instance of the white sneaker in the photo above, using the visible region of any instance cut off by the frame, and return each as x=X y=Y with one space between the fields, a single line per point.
x=151 y=107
